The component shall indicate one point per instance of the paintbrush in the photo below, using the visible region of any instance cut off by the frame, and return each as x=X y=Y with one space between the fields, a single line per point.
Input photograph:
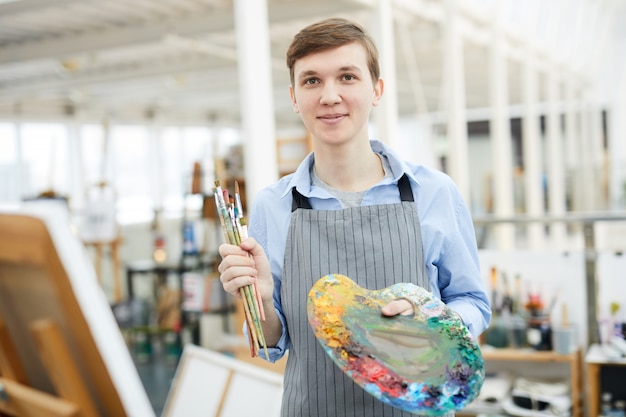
x=242 y=227
x=507 y=300
x=552 y=304
x=494 y=289
x=564 y=316
x=233 y=233
x=517 y=296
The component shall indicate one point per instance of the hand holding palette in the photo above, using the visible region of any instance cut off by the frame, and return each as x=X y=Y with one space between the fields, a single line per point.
x=427 y=363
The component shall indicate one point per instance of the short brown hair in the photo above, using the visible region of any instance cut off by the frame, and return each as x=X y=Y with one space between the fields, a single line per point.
x=329 y=34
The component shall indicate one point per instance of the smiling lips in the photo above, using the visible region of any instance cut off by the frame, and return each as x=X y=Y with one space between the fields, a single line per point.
x=330 y=118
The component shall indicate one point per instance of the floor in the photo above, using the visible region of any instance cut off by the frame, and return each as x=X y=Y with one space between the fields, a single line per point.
x=155 y=353
x=156 y=376
x=156 y=369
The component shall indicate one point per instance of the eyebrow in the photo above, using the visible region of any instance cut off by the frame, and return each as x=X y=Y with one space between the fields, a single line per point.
x=350 y=68
x=306 y=74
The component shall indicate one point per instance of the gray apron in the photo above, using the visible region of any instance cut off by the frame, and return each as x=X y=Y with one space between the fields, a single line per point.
x=376 y=246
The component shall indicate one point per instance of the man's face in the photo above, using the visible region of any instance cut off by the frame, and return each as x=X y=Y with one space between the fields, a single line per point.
x=333 y=91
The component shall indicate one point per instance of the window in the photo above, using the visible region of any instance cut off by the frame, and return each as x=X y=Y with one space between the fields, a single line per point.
x=93 y=154
x=147 y=169
x=45 y=159
x=181 y=148
x=9 y=168
x=129 y=166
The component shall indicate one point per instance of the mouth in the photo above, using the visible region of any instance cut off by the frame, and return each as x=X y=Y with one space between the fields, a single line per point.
x=331 y=118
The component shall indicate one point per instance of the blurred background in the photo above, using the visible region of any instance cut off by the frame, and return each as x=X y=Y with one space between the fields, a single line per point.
x=128 y=110
x=510 y=98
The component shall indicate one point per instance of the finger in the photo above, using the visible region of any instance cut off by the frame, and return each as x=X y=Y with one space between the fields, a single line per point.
x=235 y=261
x=398 y=307
x=227 y=249
x=250 y=244
x=232 y=284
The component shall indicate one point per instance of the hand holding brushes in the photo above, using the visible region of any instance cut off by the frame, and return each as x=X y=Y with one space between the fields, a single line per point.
x=230 y=213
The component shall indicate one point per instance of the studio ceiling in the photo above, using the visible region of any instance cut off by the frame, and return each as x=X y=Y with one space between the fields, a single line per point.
x=177 y=58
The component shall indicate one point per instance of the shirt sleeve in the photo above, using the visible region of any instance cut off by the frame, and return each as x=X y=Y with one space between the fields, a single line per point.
x=450 y=250
x=278 y=351
x=460 y=283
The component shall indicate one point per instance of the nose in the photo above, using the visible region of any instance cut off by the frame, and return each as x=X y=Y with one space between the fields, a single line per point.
x=330 y=94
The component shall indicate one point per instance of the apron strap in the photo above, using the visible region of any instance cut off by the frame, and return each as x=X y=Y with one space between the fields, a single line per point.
x=300 y=201
x=404 y=185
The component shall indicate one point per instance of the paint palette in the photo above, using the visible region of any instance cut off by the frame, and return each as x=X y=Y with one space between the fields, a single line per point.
x=427 y=363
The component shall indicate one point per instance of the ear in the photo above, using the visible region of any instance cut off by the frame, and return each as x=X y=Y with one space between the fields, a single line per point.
x=292 y=95
x=379 y=87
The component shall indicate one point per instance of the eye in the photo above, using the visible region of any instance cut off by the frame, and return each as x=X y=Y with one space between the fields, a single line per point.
x=348 y=77
x=310 y=81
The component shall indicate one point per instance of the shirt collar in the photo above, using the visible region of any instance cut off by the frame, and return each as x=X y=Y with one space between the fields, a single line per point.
x=398 y=166
x=301 y=179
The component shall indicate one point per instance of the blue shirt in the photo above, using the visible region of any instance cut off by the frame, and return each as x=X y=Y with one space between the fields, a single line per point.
x=448 y=237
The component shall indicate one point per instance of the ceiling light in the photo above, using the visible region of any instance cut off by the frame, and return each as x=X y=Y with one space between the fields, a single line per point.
x=71 y=64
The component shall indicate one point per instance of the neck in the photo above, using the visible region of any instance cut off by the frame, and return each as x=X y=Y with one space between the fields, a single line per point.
x=351 y=170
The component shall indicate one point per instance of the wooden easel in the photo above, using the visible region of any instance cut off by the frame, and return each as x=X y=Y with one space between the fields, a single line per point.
x=61 y=353
x=101 y=231
x=20 y=399
x=113 y=247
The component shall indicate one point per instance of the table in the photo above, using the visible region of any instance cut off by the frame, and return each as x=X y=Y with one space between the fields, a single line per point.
x=573 y=360
x=160 y=272
x=149 y=268
x=595 y=359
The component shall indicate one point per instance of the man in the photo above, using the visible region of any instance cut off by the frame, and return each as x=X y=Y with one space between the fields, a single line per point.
x=353 y=207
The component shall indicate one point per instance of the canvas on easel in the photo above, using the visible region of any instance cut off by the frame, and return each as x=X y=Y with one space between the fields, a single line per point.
x=211 y=384
x=61 y=351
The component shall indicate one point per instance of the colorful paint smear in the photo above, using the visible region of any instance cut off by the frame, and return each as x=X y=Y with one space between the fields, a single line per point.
x=427 y=363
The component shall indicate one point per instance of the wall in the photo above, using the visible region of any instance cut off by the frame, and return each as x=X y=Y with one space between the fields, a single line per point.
x=554 y=275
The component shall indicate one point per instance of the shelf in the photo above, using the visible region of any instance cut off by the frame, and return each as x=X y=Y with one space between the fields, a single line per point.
x=595 y=360
x=525 y=355
x=596 y=355
x=572 y=360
